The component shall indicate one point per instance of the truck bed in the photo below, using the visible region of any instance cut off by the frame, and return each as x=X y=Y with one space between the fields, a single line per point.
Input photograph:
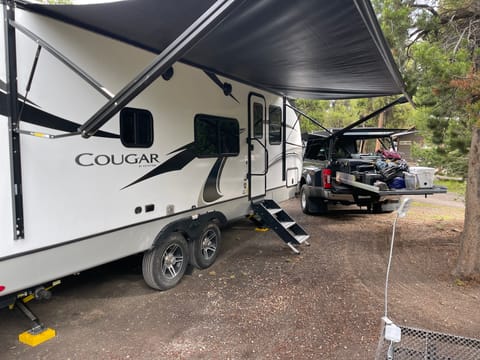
x=348 y=179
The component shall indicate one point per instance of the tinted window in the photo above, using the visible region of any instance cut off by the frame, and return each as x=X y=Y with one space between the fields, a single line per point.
x=316 y=149
x=216 y=136
x=136 y=128
x=275 y=125
x=257 y=120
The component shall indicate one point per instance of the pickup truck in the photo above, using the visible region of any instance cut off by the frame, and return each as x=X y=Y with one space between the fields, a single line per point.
x=356 y=165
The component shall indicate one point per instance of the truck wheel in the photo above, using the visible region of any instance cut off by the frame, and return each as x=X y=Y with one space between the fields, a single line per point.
x=312 y=205
x=163 y=266
x=322 y=207
x=377 y=208
x=205 y=248
x=305 y=201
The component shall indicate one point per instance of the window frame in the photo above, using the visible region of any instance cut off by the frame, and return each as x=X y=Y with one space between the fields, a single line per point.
x=256 y=106
x=279 y=109
x=218 y=121
x=136 y=111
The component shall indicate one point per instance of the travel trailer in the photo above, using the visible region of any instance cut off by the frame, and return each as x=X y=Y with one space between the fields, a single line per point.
x=145 y=126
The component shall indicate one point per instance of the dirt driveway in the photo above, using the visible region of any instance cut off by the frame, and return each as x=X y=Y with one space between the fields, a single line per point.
x=259 y=301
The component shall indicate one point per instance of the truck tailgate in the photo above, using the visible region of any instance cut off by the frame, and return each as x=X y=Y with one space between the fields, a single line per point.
x=348 y=179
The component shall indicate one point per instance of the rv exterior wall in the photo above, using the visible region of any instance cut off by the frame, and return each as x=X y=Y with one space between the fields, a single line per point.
x=75 y=189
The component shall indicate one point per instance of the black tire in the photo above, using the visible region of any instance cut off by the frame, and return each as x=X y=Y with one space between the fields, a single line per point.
x=312 y=205
x=377 y=208
x=205 y=248
x=163 y=266
x=322 y=207
x=305 y=201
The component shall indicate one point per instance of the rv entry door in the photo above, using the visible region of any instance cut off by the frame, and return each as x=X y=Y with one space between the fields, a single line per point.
x=257 y=150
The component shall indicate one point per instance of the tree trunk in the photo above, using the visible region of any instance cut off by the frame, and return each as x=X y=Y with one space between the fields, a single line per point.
x=381 y=121
x=468 y=264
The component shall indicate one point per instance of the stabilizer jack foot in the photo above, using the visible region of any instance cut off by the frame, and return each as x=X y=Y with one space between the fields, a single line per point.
x=38 y=334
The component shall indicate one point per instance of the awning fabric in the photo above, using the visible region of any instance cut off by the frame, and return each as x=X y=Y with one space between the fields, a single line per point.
x=320 y=49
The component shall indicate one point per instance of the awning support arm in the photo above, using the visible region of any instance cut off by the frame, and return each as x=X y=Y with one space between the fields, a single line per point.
x=75 y=68
x=400 y=100
x=193 y=34
x=308 y=117
x=30 y=80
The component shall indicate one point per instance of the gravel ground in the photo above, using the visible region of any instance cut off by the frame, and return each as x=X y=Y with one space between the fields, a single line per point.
x=259 y=301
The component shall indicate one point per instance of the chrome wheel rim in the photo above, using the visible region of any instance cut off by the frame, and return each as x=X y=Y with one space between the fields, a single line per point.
x=172 y=261
x=209 y=244
x=304 y=200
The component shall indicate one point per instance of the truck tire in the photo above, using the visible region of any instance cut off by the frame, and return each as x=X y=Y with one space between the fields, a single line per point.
x=164 y=266
x=204 y=249
x=322 y=207
x=311 y=205
x=377 y=208
x=305 y=201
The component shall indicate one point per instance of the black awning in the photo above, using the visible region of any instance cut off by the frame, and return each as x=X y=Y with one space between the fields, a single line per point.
x=319 y=49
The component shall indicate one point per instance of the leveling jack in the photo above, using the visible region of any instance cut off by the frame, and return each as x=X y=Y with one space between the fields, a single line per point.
x=38 y=333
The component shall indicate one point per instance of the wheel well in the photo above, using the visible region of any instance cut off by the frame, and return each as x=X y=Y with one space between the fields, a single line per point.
x=190 y=227
x=302 y=182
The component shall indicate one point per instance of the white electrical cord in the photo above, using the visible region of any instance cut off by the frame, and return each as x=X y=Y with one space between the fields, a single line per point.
x=401 y=212
x=389 y=264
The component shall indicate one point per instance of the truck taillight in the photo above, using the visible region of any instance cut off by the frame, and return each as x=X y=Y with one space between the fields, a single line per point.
x=327 y=178
x=2 y=288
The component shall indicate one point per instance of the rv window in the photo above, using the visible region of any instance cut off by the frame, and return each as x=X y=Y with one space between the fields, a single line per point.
x=258 y=120
x=275 y=125
x=216 y=136
x=136 y=128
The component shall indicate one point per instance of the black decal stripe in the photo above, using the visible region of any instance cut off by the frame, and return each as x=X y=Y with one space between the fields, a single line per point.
x=175 y=163
x=185 y=147
x=35 y=116
x=211 y=187
x=3 y=88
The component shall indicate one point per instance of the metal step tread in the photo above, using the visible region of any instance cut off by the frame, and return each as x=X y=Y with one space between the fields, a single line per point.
x=301 y=238
x=274 y=210
x=287 y=224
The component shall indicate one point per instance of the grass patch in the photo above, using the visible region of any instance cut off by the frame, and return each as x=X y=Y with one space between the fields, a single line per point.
x=457 y=187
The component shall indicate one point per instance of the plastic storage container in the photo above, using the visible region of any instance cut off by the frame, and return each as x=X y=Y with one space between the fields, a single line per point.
x=425 y=176
x=410 y=181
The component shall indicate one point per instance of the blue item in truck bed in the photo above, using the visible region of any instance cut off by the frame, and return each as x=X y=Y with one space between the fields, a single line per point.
x=397 y=183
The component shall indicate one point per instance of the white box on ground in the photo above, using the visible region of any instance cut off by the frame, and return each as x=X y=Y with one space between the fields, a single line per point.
x=425 y=176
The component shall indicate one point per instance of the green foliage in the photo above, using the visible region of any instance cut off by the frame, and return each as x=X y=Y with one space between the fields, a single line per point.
x=457 y=187
x=451 y=163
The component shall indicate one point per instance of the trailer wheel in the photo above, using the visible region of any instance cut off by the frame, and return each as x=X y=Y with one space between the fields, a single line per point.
x=205 y=248
x=163 y=266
